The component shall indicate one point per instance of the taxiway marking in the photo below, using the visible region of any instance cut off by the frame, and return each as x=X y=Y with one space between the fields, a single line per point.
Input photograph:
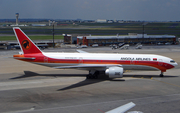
x=166 y=83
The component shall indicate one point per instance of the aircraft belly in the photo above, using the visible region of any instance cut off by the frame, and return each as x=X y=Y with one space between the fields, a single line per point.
x=54 y=64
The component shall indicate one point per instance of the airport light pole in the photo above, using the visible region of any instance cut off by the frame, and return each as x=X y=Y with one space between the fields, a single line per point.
x=53 y=33
x=144 y=23
x=143 y=34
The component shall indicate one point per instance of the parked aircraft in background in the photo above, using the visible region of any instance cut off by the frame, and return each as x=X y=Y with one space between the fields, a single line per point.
x=112 y=64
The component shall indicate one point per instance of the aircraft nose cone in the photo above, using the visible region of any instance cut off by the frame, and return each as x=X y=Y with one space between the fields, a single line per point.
x=175 y=64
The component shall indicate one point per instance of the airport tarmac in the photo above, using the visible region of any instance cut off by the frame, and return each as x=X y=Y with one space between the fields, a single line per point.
x=30 y=88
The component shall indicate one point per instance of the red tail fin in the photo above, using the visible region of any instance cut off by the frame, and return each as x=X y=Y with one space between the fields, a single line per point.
x=26 y=44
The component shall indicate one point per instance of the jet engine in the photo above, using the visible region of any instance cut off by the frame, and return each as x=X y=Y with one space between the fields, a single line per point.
x=114 y=72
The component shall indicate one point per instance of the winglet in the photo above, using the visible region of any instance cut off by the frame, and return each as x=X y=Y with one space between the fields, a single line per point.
x=26 y=44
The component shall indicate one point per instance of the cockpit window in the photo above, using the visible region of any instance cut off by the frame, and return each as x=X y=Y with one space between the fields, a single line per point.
x=172 y=61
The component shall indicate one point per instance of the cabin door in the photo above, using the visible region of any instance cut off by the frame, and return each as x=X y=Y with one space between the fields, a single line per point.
x=80 y=60
x=45 y=59
x=160 y=63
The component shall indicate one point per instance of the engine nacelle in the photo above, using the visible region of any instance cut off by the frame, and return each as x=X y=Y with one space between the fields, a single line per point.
x=114 y=72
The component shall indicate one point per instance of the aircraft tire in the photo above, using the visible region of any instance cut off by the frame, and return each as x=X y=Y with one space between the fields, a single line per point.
x=161 y=75
x=89 y=76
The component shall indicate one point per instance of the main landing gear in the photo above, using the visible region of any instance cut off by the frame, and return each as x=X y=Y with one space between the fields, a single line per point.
x=161 y=75
x=92 y=74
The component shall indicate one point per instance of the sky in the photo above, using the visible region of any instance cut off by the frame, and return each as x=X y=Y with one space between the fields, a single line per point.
x=144 y=10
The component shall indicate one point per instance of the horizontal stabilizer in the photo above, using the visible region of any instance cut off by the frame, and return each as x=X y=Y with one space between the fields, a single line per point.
x=25 y=58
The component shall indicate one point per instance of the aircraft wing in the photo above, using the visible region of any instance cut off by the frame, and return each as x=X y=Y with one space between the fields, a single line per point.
x=81 y=51
x=123 y=108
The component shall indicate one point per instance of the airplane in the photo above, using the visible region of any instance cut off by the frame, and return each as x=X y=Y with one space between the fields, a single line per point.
x=114 y=65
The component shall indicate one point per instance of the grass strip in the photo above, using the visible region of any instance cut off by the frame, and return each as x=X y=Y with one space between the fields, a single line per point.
x=46 y=37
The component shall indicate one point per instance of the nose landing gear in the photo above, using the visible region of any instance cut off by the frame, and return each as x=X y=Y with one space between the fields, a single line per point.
x=162 y=74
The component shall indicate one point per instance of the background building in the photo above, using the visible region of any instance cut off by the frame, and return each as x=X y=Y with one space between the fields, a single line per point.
x=131 y=38
x=101 y=20
x=70 y=38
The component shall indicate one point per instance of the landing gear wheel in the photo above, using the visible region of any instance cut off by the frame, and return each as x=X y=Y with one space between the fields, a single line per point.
x=93 y=76
x=161 y=75
x=88 y=76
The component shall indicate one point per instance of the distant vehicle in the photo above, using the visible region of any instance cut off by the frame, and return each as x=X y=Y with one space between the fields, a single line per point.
x=114 y=46
x=160 y=43
x=121 y=44
x=139 y=47
x=13 y=45
x=111 y=45
x=168 y=43
x=3 y=45
x=16 y=46
x=126 y=46
x=95 y=45
x=42 y=46
x=82 y=46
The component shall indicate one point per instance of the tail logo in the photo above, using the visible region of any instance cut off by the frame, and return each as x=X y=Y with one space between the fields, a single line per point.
x=26 y=44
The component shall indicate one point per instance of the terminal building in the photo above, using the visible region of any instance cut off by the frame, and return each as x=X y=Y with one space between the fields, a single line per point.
x=131 y=38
